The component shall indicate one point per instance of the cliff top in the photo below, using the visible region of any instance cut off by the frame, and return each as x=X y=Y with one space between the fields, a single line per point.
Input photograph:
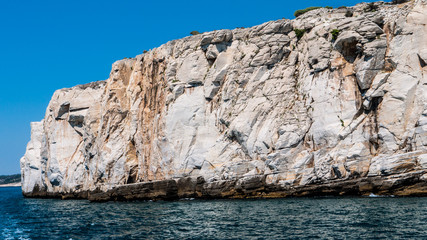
x=302 y=24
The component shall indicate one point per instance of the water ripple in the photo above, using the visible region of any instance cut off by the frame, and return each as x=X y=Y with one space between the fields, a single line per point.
x=301 y=218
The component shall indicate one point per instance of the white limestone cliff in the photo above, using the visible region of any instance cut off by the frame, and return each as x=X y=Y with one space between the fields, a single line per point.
x=248 y=104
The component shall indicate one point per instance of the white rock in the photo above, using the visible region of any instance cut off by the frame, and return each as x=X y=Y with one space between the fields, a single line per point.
x=243 y=103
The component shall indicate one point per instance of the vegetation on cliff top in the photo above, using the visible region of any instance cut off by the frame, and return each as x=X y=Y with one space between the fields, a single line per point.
x=302 y=11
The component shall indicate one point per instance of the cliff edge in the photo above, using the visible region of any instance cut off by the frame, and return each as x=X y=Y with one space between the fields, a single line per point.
x=333 y=102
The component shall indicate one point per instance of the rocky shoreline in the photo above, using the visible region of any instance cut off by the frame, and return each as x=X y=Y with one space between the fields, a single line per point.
x=411 y=184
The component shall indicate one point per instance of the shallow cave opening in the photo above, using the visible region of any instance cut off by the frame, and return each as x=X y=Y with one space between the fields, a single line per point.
x=211 y=62
x=380 y=24
x=349 y=13
x=132 y=177
x=375 y=102
x=63 y=109
x=76 y=121
x=350 y=51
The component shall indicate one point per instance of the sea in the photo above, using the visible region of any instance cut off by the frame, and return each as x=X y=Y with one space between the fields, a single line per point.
x=372 y=217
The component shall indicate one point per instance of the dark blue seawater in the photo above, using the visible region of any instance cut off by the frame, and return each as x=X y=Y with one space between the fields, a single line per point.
x=297 y=218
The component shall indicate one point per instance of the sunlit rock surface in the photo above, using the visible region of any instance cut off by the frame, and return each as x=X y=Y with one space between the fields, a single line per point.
x=253 y=112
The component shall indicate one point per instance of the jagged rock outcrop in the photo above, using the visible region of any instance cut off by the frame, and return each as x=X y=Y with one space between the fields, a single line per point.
x=256 y=112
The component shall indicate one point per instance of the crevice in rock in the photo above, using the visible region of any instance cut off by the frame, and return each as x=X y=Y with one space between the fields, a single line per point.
x=195 y=84
x=236 y=136
x=78 y=109
x=359 y=101
x=422 y=62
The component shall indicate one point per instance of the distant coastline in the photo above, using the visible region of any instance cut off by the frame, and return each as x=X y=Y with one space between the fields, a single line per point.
x=10 y=180
x=18 y=184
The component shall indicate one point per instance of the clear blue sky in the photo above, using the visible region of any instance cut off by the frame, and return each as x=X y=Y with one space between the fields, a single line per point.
x=48 y=45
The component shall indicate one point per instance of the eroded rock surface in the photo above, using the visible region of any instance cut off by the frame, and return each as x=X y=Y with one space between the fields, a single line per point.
x=253 y=112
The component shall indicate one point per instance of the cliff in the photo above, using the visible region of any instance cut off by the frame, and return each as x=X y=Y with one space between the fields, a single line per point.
x=333 y=102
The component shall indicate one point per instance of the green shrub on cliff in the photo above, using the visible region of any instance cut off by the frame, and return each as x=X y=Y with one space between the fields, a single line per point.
x=335 y=33
x=299 y=33
x=302 y=11
x=371 y=7
x=399 y=1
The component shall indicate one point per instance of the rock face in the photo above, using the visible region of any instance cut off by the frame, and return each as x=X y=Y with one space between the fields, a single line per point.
x=256 y=112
